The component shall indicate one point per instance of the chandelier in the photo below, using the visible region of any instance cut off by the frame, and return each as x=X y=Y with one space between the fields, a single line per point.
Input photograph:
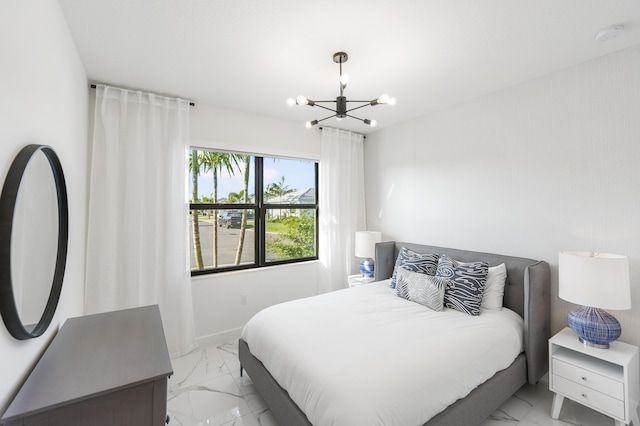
x=341 y=109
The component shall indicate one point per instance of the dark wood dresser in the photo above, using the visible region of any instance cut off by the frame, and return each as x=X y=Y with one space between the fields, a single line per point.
x=104 y=369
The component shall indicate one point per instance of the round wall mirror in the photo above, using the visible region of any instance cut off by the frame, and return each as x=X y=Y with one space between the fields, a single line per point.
x=34 y=227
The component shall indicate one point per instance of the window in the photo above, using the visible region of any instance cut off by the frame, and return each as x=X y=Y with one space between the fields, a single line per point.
x=249 y=211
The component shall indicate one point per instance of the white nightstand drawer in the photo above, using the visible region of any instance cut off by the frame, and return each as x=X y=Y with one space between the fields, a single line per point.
x=589 y=397
x=583 y=377
x=611 y=381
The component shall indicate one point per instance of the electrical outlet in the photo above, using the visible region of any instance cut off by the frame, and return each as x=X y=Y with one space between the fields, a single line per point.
x=243 y=299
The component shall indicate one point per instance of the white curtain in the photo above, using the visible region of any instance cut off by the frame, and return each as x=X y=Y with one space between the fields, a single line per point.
x=137 y=228
x=341 y=204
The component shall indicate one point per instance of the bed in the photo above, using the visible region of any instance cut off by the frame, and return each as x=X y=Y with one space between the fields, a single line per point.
x=526 y=295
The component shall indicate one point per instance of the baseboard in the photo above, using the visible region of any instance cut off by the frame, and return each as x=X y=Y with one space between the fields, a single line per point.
x=220 y=338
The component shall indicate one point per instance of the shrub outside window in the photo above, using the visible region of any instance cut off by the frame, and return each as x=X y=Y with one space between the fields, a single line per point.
x=250 y=211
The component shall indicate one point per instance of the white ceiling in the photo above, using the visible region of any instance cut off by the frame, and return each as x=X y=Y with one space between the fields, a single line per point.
x=250 y=55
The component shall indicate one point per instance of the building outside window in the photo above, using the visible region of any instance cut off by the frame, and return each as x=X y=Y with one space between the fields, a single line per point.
x=250 y=211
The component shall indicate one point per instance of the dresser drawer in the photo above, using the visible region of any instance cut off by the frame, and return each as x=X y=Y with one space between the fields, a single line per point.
x=581 y=376
x=587 y=396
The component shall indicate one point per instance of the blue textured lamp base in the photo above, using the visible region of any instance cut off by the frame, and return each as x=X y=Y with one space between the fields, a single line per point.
x=594 y=327
x=366 y=268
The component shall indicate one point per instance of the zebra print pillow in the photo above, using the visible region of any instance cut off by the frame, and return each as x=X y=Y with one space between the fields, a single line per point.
x=466 y=284
x=415 y=262
x=424 y=289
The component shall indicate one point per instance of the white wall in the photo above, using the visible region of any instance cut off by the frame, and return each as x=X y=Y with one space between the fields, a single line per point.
x=219 y=314
x=43 y=100
x=549 y=165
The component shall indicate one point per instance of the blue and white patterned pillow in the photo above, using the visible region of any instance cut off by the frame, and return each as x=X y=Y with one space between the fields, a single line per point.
x=424 y=289
x=465 y=286
x=415 y=262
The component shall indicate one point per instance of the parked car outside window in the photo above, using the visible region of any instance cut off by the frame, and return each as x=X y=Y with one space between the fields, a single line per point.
x=230 y=219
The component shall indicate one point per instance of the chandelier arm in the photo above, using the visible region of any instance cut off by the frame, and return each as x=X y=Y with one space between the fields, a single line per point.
x=358 y=107
x=322 y=106
x=326 y=118
x=371 y=123
x=351 y=116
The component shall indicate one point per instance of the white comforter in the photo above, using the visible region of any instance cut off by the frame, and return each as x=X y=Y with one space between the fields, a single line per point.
x=364 y=356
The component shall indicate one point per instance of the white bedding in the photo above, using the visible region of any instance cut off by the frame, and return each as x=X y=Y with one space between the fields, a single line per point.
x=363 y=356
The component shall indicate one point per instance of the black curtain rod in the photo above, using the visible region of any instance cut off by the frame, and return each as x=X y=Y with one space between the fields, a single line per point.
x=93 y=86
x=363 y=136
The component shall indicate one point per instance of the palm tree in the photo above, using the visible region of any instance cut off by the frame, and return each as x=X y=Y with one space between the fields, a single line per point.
x=245 y=195
x=216 y=162
x=278 y=189
x=234 y=197
x=194 y=167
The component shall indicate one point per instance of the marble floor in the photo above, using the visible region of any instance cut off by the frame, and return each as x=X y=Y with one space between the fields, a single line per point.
x=206 y=389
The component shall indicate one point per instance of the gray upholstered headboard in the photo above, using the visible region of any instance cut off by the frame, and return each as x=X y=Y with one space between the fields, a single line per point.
x=527 y=293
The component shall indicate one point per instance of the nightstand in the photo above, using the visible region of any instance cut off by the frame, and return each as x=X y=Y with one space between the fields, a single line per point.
x=355 y=280
x=606 y=380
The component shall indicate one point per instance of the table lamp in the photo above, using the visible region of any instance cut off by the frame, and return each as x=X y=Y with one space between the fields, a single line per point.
x=366 y=247
x=596 y=281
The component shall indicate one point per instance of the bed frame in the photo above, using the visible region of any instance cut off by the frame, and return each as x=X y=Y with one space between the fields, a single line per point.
x=526 y=293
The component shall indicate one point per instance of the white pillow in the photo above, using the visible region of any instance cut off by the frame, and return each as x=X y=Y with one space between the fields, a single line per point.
x=494 y=287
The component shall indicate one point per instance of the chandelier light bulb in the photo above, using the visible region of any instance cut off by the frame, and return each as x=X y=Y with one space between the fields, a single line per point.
x=391 y=101
x=310 y=124
x=291 y=102
x=344 y=79
x=373 y=123
x=301 y=100
x=383 y=99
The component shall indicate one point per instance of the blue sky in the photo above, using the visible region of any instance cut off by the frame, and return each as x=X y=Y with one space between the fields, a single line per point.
x=298 y=175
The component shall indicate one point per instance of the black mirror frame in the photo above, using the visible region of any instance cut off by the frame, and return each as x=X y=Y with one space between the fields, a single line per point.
x=8 y=308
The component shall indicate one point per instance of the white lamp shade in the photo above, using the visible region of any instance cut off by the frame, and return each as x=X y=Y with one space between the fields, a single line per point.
x=366 y=243
x=598 y=280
